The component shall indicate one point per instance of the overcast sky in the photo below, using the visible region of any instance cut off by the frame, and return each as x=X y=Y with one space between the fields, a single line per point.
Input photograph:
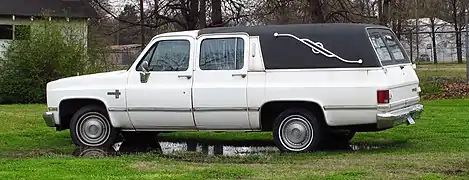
x=119 y=4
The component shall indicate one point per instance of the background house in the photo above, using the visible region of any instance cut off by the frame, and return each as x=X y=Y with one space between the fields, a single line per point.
x=19 y=17
x=123 y=55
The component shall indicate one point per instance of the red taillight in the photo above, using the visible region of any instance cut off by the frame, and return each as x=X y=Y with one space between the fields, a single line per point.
x=383 y=96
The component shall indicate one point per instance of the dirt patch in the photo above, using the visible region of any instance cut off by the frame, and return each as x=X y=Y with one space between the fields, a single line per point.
x=454 y=172
x=32 y=153
x=144 y=165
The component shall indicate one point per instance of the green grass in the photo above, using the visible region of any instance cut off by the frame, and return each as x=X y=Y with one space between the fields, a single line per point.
x=441 y=70
x=436 y=147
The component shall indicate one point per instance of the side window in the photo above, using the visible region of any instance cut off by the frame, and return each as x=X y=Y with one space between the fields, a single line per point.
x=6 y=32
x=168 y=55
x=22 y=32
x=222 y=54
x=394 y=47
x=381 y=49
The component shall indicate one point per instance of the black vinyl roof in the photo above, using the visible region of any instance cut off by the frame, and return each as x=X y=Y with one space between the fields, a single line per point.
x=348 y=41
x=56 y=8
x=269 y=29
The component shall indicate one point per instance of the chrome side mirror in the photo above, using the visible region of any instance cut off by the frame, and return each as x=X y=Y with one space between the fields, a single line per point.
x=144 y=66
x=145 y=74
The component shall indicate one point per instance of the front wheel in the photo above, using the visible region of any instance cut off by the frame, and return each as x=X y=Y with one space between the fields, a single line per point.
x=90 y=127
x=297 y=130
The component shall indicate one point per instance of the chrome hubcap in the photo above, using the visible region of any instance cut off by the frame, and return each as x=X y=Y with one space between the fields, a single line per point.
x=93 y=129
x=296 y=133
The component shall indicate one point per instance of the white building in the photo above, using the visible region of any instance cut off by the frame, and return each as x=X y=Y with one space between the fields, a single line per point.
x=19 y=16
x=445 y=40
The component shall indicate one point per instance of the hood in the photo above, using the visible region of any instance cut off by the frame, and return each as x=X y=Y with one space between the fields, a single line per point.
x=84 y=81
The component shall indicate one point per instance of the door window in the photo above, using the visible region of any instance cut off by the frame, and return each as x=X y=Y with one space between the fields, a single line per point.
x=168 y=55
x=222 y=54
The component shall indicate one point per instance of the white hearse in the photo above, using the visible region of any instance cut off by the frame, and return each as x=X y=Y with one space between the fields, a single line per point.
x=305 y=83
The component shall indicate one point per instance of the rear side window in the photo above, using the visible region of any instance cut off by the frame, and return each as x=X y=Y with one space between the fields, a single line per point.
x=380 y=48
x=394 y=48
x=387 y=48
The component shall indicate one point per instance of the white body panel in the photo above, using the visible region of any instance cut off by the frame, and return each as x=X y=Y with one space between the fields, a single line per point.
x=217 y=100
x=220 y=97
x=164 y=101
x=95 y=87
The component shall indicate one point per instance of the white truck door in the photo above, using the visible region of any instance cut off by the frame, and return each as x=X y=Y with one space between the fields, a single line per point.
x=164 y=100
x=220 y=82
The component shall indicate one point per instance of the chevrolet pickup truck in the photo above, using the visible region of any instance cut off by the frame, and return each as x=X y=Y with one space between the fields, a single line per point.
x=305 y=83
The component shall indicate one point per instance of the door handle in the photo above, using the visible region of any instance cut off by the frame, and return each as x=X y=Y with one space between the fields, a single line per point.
x=186 y=76
x=242 y=75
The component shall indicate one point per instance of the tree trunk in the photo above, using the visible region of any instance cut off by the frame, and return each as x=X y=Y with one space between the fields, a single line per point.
x=156 y=12
x=383 y=5
x=433 y=36
x=216 y=13
x=317 y=8
x=399 y=28
x=142 y=30
x=202 y=16
x=458 y=33
x=193 y=14
x=459 y=47
x=380 y=10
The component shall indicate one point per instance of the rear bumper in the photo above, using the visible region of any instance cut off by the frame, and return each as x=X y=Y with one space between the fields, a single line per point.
x=49 y=119
x=400 y=116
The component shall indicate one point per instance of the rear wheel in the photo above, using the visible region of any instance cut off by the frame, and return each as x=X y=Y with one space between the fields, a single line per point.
x=90 y=127
x=297 y=130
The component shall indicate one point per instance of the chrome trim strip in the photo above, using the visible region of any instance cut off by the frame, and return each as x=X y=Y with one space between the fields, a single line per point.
x=167 y=128
x=254 y=109
x=117 y=109
x=350 y=107
x=365 y=69
x=405 y=84
x=164 y=109
x=202 y=109
x=404 y=102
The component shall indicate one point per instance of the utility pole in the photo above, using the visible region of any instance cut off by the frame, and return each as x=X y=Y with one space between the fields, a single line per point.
x=467 y=42
x=417 y=30
x=142 y=30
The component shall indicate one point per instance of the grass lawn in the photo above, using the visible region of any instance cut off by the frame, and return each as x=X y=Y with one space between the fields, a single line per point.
x=442 y=70
x=437 y=146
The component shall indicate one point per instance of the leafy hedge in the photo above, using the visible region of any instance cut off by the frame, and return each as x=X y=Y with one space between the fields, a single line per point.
x=49 y=54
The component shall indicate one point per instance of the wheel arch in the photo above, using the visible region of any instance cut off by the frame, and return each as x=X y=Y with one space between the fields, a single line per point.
x=69 y=105
x=270 y=109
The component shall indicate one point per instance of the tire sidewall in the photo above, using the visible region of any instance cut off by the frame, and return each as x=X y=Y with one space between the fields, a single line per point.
x=317 y=130
x=80 y=115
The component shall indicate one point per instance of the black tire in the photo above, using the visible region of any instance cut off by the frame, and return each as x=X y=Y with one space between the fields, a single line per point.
x=302 y=119
x=96 y=119
x=140 y=141
x=338 y=139
x=345 y=135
